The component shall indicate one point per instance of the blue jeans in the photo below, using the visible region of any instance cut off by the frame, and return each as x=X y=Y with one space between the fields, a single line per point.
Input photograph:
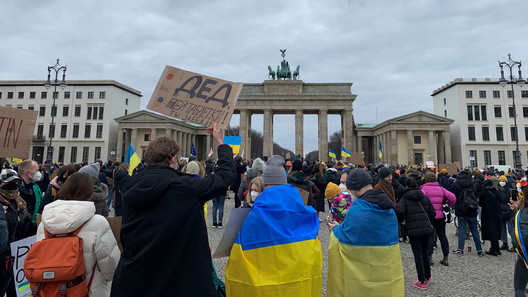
x=472 y=222
x=218 y=204
x=504 y=235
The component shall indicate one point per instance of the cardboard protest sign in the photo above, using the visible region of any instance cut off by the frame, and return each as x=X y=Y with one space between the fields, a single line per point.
x=355 y=158
x=115 y=225
x=19 y=250
x=305 y=195
x=452 y=168
x=16 y=131
x=236 y=218
x=194 y=97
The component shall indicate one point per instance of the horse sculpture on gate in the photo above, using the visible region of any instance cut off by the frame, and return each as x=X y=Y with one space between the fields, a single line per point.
x=271 y=73
x=296 y=72
x=283 y=71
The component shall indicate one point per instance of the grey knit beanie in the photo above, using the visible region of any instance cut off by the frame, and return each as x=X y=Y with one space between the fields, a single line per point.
x=92 y=169
x=258 y=164
x=274 y=173
x=357 y=179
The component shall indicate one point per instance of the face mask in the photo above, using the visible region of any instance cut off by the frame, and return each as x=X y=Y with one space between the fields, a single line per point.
x=502 y=184
x=254 y=195
x=342 y=187
x=37 y=177
x=10 y=187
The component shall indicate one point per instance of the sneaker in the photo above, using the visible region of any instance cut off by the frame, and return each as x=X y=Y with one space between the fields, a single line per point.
x=419 y=285
x=219 y=225
x=481 y=254
x=428 y=280
x=215 y=225
x=460 y=252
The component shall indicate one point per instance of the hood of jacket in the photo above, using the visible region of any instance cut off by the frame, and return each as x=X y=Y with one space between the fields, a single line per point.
x=252 y=173
x=65 y=216
x=378 y=196
x=298 y=177
x=464 y=181
x=119 y=174
x=414 y=195
x=102 y=194
x=487 y=186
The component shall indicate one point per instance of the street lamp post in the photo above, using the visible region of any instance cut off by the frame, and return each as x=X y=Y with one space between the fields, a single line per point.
x=520 y=81
x=56 y=68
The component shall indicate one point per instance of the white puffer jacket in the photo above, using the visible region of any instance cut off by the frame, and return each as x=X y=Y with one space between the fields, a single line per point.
x=99 y=244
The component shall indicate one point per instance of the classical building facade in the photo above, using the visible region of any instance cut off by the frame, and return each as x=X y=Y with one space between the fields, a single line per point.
x=84 y=127
x=483 y=131
x=411 y=139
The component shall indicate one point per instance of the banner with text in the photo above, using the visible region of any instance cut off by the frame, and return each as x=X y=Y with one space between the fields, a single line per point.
x=194 y=97
x=19 y=250
x=16 y=131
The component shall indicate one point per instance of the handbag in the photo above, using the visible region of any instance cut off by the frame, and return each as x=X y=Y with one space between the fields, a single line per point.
x=447 y=211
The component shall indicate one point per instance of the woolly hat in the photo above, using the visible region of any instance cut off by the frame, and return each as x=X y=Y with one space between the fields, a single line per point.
x=297 y=165
x=258 y=164
x=430 y=177
x=503 y=178
x=475 y=172
x=274 y=173
x=9 y=175
x=384 y=172
x=192 y=168
x=332 y=190
x=92 y=169
x=357 y=179
x=444 y=171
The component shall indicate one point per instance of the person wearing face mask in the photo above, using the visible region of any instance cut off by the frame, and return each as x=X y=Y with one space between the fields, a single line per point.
x=505 y=192
x=163 y=226
x=28 y=170
x=256 y=187
x=56 y=184
x=19 y=225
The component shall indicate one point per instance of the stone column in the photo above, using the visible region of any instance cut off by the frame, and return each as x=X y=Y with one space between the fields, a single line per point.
x=189 y=140
x=375 y=149
x=347 y=126
x=410 y=145
x=119 y=149
x=447 y=139
x=323 y=135
x=360 y=144
x=386 y=148
x=440 y=148
x=243 y=130
x=431 y=146
x=248 y=148
x=168 y=133
x=268 y=133
x=184 y=144
x=133 y=139
x=153 y=133
x=299 y=121
x=394 y=148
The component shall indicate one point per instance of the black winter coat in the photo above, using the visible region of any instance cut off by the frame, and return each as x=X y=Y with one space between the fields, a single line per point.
x=120 y=179
x=463 y=182
x=506 y=212
x=417 y=211
x=491 y=219
x=164 y=235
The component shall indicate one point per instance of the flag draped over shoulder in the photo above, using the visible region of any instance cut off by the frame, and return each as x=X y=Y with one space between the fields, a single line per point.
x=277 y=251
x=344 y=152
x=234 y=142
x=364 y=256
x=132 y=159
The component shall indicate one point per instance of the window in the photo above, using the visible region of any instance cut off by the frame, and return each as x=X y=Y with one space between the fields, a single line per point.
x=32 y=95
x=510 y=94
x=78 y=95
x=445 y=101
x=89 y=113
x=417 y=139
x=147 y=137
x=0 y=95
x=55 y=95
x=65 y=110
x=20 y=107
x=101 y=112
x=66 y=95
x=496 y=94
x=87 y=130
x=9 y=95
x=31 y=107
x=95 y=113
x=77 y=111
x=20 y=95
x=42 y=111
x=482 y=94
x=126 y=112
x=498 y=112
x=64 y=129
x=40 y=131
x=97 y=152
x=99 y=131
x=526 y=133
x=524 y=94
x=102 y=95
x=487 y=158
x=90 y=95
x=502 y=157
x=43 y=95
x=513 y=132
x=477 y=112
x=73 y=157
x=126 y=101
x=470 y=112
x=75 y=131
x=500 y=134
x=485 y=133
x=511 y=111
x=469 y=94
x=445 y=113
x=473 y=158
x=483 y=113
x=62 y=150
x=86 y=151
x=51 y=131
x=54 y=111
x=471 y=133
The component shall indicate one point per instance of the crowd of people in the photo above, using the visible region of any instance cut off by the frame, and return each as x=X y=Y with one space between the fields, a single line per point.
x=163 y=206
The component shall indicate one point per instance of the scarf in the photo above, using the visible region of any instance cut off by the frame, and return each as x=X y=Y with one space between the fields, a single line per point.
x=13 y=196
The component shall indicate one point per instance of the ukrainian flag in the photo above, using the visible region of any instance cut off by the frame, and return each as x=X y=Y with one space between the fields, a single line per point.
x=234 y=142
x=364 y=255
x=332 y=154
x=380 y=150
x=132 y=158
x=277 y=251
x=344 y=152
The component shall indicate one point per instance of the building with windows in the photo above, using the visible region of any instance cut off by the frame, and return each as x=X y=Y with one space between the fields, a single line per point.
x=483 y=132
x=84 y=127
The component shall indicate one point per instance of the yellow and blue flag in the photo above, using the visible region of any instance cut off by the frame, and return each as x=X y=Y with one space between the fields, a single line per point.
x=344 y=152
x=132 y=158
x=277 y=251
x=364 y=255
x=234 y=142
x=332 y=154
x=380 y=150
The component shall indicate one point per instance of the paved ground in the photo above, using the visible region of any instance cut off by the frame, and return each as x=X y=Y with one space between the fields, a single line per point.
x=466 y=275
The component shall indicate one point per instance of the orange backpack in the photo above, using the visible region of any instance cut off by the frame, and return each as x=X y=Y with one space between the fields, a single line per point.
x=55 y=266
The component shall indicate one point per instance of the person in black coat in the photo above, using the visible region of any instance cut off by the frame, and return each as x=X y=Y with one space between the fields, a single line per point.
x=164 y=234
x=491 y=221
x=506 y=212
x=418 y=212
x=121 y=177
x=240 y=170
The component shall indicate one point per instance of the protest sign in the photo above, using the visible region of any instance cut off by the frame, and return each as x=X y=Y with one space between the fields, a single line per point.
x=16 y=131
x=19 y=250
x=115 y=225
x=355 y=158
x=236 y=218
x=194 y=97
x=452 y=168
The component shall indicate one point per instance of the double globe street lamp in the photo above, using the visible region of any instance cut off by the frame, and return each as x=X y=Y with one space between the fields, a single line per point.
x=510 y=64
x=56 y=68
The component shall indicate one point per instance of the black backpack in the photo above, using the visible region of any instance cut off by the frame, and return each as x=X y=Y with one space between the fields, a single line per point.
x=469 y=200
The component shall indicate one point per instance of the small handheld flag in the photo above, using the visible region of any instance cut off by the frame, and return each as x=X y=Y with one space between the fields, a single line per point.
x=132 y=158
x=344 y=152
x=380 y=150
x=210 y=153
x=332 y=154
x=193 y=150
x=234 y=142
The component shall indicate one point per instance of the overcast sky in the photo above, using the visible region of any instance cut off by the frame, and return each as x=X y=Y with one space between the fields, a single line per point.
x=394 y=52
